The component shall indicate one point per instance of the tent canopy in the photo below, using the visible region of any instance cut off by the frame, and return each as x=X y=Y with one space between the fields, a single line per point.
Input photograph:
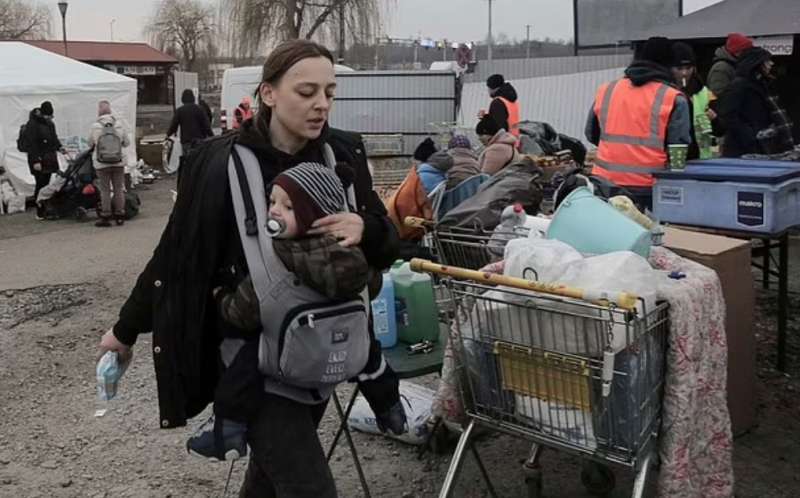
x=30 y=75
x=750 y=17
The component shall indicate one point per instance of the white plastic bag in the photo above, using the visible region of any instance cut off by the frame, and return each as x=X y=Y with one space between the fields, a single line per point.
x=417 y=401
x=543 y=260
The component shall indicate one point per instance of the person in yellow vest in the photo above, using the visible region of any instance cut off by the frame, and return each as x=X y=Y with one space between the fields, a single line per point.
x=702 y=101
x=504 y=108
x=635 y=118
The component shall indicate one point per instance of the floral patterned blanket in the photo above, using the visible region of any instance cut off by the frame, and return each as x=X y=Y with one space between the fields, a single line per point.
x=695 y=443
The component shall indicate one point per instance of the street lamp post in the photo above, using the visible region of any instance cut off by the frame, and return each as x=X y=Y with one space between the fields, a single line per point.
x=112 y=29
x=528 y=41
x=489 y=55
x=62 y=6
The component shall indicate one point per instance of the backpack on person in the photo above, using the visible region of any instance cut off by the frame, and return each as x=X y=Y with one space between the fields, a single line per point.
x=109 y=145
x=23 y=139
x=409 y=200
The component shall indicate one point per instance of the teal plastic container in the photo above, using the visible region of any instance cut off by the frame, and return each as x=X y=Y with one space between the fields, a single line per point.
x=384 y=318
x=592 y=226
x=415 y=305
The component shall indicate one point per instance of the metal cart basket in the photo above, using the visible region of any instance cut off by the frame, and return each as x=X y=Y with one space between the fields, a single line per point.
x=575 y=370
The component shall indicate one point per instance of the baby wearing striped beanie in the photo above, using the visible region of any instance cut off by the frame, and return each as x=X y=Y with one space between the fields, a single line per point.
x=300 y=196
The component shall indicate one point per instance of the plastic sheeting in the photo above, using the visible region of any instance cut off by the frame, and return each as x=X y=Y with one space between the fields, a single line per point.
x=30 y=75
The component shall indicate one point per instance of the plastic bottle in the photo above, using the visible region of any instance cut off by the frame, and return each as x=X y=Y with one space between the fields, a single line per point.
x=415 y=305
x=512 y=218
x=384 y=315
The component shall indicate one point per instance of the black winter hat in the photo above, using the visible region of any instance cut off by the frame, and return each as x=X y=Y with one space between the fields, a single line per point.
x=751 y=59
x=495 y=81
x=46 y=108
x=425 y=150
x=683 y=55
x=487 y=126
x=187 y=97
x=658 y=50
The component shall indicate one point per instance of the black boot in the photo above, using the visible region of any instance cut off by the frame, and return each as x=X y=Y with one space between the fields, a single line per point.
x=119 y=220
x=103 y=221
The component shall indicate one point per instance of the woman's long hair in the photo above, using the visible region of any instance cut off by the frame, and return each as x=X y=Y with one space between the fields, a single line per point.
x=285 y=55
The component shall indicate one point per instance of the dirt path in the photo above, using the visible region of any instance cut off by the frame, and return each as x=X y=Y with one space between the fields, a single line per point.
x=61 y=284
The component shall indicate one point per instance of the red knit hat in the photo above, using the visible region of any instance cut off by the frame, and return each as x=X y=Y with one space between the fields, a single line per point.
x=737 y=43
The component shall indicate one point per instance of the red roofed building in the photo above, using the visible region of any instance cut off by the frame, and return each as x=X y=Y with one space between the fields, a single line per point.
x=150 y=67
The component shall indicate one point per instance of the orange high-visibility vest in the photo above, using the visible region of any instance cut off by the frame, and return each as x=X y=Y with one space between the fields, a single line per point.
x=513 y=115
x=633 y=131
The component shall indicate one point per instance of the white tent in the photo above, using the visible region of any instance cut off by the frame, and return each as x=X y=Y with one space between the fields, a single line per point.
x=30 y=75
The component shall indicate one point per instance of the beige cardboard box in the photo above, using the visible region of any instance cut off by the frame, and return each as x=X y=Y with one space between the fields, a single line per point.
x=730 y=258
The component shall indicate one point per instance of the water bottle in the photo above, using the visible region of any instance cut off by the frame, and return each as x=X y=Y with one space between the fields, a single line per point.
x=383 y=314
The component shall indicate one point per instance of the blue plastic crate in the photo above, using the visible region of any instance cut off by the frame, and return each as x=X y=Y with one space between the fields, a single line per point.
x=753 y=196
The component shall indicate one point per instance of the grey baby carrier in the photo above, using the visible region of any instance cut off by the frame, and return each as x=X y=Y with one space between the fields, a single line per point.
x=308 y=343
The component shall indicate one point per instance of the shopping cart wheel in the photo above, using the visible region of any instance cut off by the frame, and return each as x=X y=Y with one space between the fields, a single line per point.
x=533 y=480
x=598 y=479
x=81 y=213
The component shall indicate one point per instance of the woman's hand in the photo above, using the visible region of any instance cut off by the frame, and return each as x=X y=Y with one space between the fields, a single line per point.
x=109 y=342
x=347 y=228
x=711 y=114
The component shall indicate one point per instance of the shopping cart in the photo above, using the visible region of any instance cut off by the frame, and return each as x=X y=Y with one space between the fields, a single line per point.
x=575 y=370
x=466 y=247
x=471 y=248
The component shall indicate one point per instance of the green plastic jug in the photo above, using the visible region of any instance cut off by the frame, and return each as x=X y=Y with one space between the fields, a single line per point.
x=415 y=305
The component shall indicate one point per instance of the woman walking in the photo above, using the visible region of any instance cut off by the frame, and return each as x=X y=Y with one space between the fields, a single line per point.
x=201 y=250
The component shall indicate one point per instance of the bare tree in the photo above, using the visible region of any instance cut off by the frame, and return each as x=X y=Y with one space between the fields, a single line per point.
x=256 y=22
x=183 y=28
x=21 y=20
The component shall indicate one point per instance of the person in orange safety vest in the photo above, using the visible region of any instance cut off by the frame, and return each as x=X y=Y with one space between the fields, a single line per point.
x=242 y=113
x=635 y=118
x=505 y=105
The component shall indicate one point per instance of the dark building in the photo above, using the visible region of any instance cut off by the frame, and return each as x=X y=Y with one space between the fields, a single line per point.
x=151 y=68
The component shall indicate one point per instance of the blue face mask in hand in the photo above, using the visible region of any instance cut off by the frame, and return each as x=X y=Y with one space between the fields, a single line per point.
x=109 y=372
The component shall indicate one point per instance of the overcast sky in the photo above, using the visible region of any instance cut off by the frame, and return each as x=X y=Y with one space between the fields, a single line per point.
x=458 y=20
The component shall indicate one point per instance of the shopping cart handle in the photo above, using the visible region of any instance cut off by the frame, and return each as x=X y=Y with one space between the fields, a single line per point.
x=622 y=300
x=415 y=222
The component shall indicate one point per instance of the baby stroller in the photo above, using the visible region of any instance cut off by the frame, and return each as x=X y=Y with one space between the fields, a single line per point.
x=73 y=192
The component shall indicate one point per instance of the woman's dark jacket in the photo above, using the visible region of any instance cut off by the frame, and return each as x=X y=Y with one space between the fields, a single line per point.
x=201 y=249
x=745 y=109
x=44 y=143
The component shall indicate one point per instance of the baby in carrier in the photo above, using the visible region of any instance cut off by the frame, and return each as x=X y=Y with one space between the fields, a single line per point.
x=299 y=196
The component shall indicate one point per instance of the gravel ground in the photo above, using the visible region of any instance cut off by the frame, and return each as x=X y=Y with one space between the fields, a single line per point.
x=61 y=284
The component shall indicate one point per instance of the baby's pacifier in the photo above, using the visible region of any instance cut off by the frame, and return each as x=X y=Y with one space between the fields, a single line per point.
x=275 y=227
